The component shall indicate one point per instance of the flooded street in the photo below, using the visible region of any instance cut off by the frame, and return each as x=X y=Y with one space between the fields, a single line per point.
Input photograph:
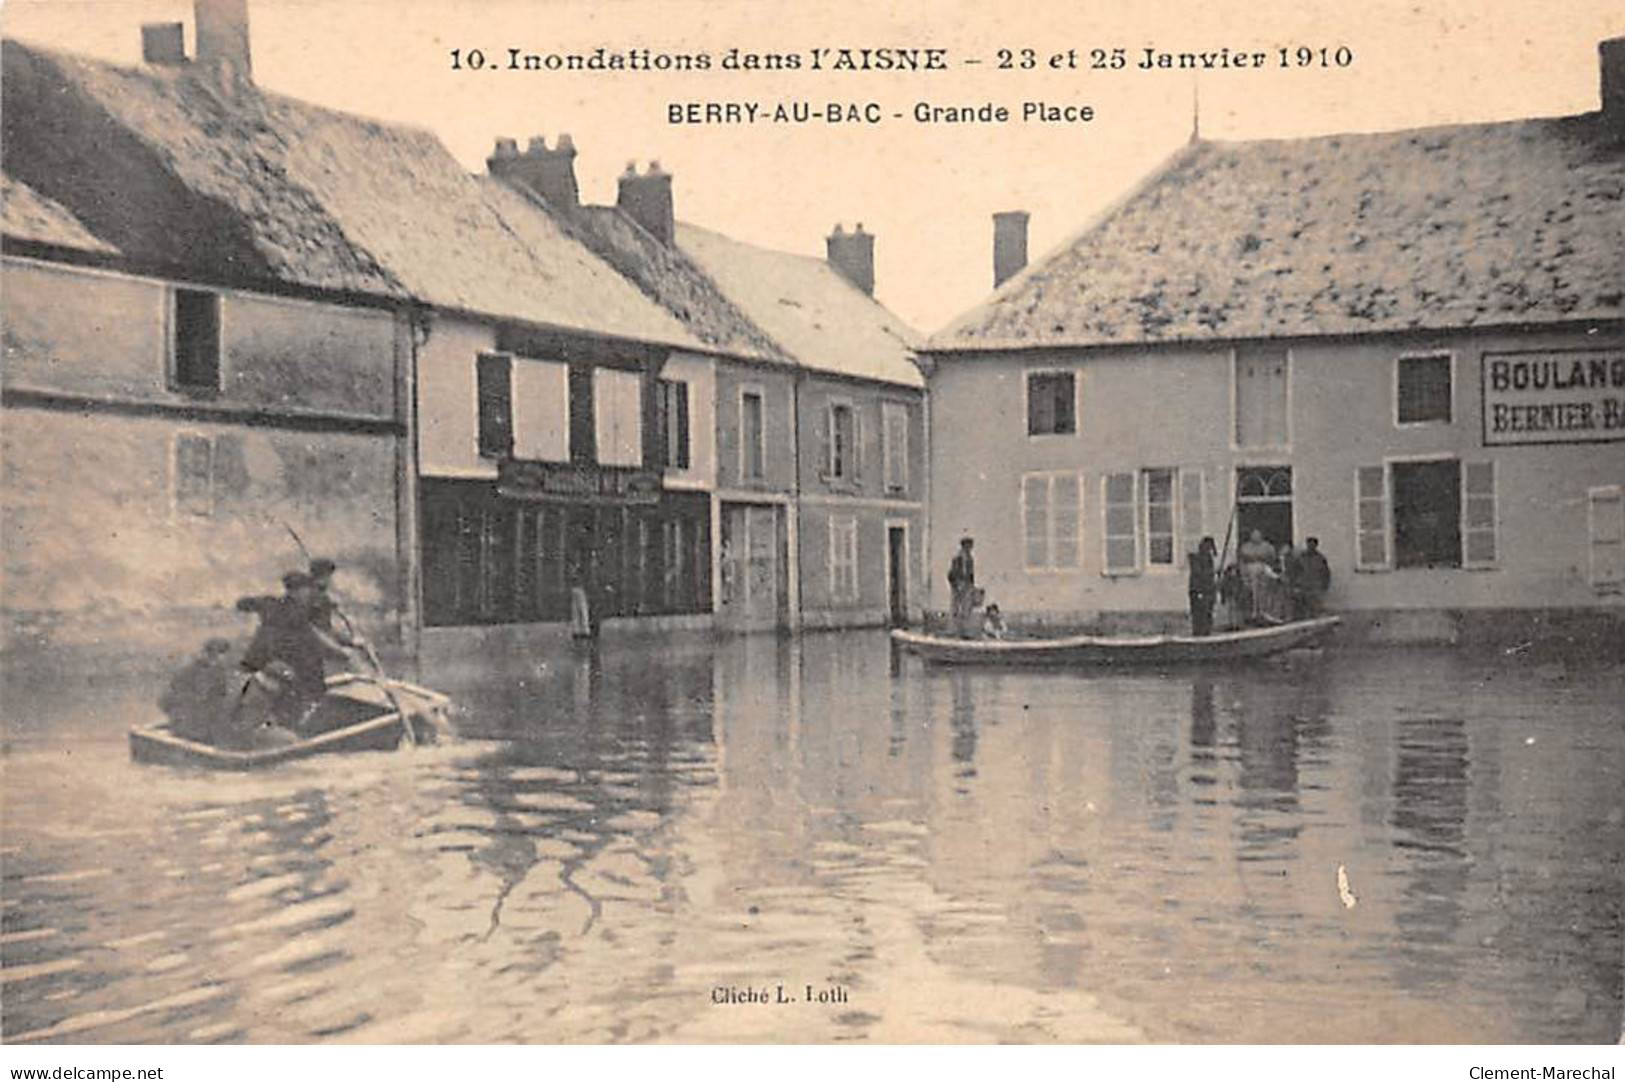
x=1366 y=846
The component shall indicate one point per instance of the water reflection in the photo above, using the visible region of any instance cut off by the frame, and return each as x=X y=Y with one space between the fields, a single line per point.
x=1184 y=856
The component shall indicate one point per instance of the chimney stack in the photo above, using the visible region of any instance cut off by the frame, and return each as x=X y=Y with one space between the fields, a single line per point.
x=1009 y=245
x=646 y=199
x=163 y=43
x=1611 y=54
x=550 y=173
x=222 y=39
x=853 y=256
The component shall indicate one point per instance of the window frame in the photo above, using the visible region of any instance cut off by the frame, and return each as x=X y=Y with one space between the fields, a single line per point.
x=890 y=409
x=1076 y=375
x=603 y=377
x=172 y=381
x=757 y=391
x=1266 y=449
x=1050 y=566
x=853 y=462
x=1388 y=464
x=1176 y=530
x=1424 y=355
x=178 y=510
x=670 y=432
x=1596 y=495
x=844 y=525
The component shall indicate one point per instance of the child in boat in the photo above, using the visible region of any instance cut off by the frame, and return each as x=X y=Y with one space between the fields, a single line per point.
x=201 y=695
x=993 y=625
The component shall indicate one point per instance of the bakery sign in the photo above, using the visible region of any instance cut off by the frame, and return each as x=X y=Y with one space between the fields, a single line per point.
x=1555 y=396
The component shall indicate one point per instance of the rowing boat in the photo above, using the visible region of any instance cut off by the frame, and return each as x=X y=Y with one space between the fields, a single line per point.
x=359 y=713
x=1089 y=651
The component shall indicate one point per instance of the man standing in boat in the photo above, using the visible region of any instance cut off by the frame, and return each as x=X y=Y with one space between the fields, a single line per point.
x=287 y=633
x=962 y=584
x=1313 y=579
x=1204 y=586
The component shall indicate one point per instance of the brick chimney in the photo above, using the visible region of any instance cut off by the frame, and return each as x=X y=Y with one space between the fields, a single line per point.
x=550 y=173
x=853 y=256
x=1009 y=245
x=1611 y=53
x=222 y=39
x=646 y=199
x=163 y=43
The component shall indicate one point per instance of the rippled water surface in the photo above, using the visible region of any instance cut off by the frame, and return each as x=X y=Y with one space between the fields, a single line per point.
x=1416 y=846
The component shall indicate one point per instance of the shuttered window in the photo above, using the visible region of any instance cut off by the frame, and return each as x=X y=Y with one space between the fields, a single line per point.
x=843 y=558
x=541 y=410
x=1606 y=522
x=671 y=412
x=1480 y=547
x=752 y=451
x=1371 y=519
x=1158 y=494
x=843 y=442
x=1120 y=516
x=1261 y=377
x=894 y=425
x=1052 y=399
x=194 y=468
x=1051 y=526
x=618 y=416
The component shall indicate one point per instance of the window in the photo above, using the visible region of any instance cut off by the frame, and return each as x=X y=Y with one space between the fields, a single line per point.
x=1370 y=518
x=894 y=431
x=842 y=464
x=195 y=366
x=541 y=410
x=1120 y=537
x=1425 y=501
x=194 y=468
x=1052 y=404
x=672 y=411
x=618 y=416
x=1157 y=490
x=1422 y=389
x=1264 y=503
x=751 y=450
x=494 y=390
x=1261 y=374
x=1478 y=514
x=207 y=471
x=1050 y=520
x=1606 y=521
x=843 y=558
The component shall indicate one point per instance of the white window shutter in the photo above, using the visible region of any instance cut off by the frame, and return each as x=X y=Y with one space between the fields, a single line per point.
x=1480 y=547
x=1066 y=503
x=1371 y=538
x=1606 y=523
x=1120 y=524
x=1035 y=514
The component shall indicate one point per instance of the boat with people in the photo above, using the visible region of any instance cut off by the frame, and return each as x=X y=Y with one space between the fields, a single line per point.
x=1094 y=651
x=357 y=713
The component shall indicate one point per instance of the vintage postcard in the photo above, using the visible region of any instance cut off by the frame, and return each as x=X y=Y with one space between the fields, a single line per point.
x=739 y=523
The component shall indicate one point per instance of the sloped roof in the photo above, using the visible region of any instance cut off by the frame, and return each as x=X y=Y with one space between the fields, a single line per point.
x=1441 y=227
x=820 y=318
x=27 y=215
x=263 y=184
x=666 y=274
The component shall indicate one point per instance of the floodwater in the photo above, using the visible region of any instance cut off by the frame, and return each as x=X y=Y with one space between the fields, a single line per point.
x=1362 y=846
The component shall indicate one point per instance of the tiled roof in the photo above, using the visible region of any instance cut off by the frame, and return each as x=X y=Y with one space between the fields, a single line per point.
x=666 y=274
x=817 y=316
x=1443 y=227
x=28 y=215
x=171 y=169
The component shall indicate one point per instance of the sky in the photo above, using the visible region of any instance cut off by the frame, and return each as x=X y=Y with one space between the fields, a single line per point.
x=926 y=190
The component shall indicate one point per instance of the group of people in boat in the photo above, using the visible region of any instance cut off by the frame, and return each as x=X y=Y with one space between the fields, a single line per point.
x=1267 y=585
x=268 y=698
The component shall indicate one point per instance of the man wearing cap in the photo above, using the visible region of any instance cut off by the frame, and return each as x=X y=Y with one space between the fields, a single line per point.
x=287 y=633
x=325 y=608
x=962 y=584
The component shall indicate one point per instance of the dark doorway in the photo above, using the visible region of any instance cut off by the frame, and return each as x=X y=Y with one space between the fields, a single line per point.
x=1427 y=514
x=897 y=564
x=1264 y=503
